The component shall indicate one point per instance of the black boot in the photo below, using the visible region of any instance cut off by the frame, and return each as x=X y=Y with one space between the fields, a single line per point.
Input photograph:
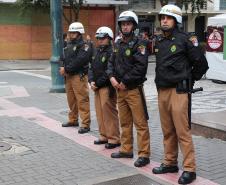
x=121 y=155
x=70 y=124
x=100 y=142
x=142 y=161
x=187 y=177
x=83 y=130
x=111 y=145
x=165 y=169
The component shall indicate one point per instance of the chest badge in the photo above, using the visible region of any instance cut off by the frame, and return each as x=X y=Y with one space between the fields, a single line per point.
x=173 y=48
x=74 y=48
x=103 y=59
x=128 y=52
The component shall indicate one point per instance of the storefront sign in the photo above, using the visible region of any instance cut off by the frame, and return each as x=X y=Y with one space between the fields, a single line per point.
x=215 y=39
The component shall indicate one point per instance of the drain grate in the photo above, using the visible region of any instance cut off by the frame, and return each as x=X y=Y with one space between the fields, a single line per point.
x=4 y=146
x=138 y=179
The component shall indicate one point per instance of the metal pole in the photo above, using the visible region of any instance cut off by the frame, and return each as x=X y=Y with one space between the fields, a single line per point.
x=57 y=46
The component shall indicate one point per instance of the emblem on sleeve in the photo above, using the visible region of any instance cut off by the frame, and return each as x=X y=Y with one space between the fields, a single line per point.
x=194 y=40
x=142 y=49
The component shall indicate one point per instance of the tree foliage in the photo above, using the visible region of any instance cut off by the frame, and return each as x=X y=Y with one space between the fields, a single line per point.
x=44 y=5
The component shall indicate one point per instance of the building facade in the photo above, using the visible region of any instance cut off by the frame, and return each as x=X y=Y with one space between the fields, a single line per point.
x=148 y=15
x=28 y=35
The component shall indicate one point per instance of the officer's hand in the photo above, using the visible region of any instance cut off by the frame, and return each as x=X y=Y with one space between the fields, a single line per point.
x=62 y=71
x=114 y=82
x=122 y=86
x=93 y=86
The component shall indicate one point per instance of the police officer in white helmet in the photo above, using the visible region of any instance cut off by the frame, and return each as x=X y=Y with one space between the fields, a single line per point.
x=127 y=72
x=179 y=62
x=105 y=95
x=77 y=56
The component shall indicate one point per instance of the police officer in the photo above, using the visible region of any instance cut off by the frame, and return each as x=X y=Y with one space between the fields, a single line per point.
x=178 y=59
x=77 y=56
x=127 y=70
x=105 y=96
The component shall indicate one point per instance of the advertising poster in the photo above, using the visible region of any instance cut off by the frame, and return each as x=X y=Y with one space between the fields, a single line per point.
x=215 y=40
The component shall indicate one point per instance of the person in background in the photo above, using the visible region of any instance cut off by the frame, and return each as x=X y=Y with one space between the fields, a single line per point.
x=148 y=42
x=65 y=39
x=119 y=36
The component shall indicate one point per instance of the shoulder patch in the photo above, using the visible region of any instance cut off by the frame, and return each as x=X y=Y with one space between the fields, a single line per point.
x=194 y=40
x=86 y=47
x=142 y=49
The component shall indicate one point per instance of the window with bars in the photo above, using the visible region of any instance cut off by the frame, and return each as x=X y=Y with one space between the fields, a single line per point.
x=222 y=4
x=204 y=5
x=144 y=4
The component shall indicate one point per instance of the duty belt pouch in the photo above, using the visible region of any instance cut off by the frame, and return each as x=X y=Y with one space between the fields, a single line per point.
x=182 y=87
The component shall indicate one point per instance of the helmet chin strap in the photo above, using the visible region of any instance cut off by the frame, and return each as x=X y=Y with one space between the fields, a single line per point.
x=166 y=29
x=127 y=34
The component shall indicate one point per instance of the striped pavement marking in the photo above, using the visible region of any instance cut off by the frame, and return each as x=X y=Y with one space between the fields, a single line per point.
x=36 y=115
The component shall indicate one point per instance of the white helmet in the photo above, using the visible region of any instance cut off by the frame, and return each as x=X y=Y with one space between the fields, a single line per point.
x=173 y=11
x=104 y=32
x=76 y=27
x=128 y=16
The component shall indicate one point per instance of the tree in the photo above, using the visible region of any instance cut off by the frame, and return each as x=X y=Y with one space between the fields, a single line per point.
x=44 y=5
x=196 y=5
x=75 y=6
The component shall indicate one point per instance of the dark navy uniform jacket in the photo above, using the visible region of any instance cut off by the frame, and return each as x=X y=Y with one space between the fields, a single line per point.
x=98 y=68
x=77 y=56
x=129 y=62
x=178 y=57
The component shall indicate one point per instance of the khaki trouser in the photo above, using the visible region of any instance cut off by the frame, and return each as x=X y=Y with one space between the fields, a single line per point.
x=131 y=111
x=107 y=116
x=78 y=99
x=173 y=110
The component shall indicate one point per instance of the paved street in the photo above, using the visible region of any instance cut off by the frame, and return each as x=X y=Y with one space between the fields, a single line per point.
x=45 y=153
